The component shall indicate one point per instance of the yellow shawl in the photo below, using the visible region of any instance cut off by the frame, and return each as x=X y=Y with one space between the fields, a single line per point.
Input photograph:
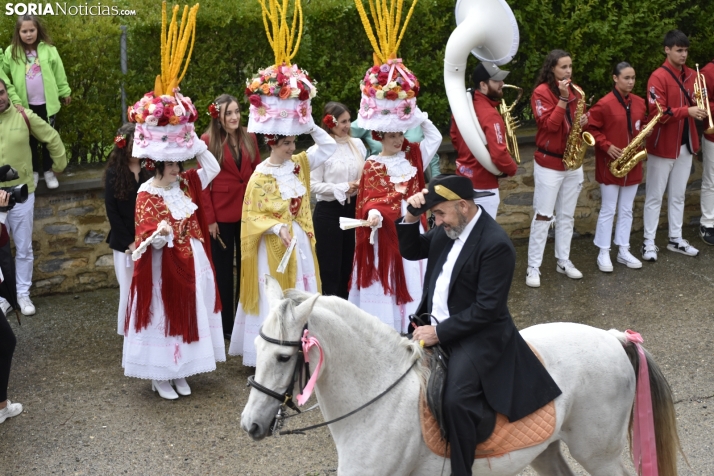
x=263 y=208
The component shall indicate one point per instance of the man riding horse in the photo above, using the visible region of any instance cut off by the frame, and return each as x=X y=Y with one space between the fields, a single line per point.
x=471 y=261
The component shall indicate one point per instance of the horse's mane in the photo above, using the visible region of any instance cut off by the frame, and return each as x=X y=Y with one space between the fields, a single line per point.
x=408 y=350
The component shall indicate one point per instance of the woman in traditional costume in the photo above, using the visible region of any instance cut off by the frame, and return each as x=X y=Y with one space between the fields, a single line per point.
x=277 y=221
x=173 y=325
x=383 y=283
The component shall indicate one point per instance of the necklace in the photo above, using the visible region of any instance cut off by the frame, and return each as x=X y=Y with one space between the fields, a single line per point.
x=165 y=187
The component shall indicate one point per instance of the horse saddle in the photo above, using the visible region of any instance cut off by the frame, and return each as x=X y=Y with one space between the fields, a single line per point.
x=497 y=436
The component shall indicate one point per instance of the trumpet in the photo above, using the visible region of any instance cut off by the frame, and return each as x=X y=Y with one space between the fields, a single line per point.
x=701 y=95
x=511 y=124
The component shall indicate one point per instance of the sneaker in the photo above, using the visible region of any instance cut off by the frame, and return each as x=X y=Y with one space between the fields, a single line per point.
x=567 y=268
x=36 y=178
x=603 y=261
x=51 y=180
x=625 y=257
x=11 y=410
x=707 y=235
x=649 y=252
x=682 y=247
x=533 y=277
x=5 y=306
x=26 y=306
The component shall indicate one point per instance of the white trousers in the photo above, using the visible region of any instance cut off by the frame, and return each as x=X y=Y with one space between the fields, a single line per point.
x=671 y=176
x=489 y=204
x=707 y=193
x=620 y=198
x=19 y=225
x=124 y=269
x=556 y=193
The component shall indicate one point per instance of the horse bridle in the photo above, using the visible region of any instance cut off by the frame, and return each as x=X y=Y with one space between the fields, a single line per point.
x=286 y=398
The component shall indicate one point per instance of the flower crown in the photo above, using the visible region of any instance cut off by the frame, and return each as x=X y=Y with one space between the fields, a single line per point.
x=214 y=110
x=284 y=82
x=391 y=80
x=163 y=110
x=330 y=121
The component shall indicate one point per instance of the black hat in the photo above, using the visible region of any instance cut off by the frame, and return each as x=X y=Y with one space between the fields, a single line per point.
x=485 y=71
x=445 y=188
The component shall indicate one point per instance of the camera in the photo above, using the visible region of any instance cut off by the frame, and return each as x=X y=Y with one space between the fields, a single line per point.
x=18 y=193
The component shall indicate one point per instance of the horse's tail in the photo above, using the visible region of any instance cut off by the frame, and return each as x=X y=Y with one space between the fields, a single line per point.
x=665 y=418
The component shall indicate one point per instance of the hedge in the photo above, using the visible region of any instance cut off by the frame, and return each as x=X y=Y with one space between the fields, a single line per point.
x=232 y=46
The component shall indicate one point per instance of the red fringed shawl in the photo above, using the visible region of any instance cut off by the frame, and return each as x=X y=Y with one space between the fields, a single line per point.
x=377 y=192
x=178 y=276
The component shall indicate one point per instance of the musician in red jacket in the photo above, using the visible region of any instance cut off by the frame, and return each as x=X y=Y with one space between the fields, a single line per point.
x=671 y=145
x=556 y=191
x=237 y=151
x=488 y=82
x=614 y=121
x=706 y=225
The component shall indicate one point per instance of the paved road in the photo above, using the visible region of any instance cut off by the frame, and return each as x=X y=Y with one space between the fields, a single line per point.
x=84 y=417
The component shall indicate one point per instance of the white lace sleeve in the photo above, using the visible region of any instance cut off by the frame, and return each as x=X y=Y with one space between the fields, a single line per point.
x=209 y=167
x=432 y=140
x=324 y=148
x=160 y=241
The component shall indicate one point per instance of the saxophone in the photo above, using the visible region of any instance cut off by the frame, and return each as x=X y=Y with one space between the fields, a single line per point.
x=577 y=140
x=631 y=156
x=511 y=124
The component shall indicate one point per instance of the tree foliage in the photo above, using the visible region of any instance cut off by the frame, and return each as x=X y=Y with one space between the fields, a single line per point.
x=231 y=46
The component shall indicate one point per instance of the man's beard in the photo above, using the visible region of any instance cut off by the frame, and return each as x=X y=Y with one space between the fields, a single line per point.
x=455 y=231
x=494 y=94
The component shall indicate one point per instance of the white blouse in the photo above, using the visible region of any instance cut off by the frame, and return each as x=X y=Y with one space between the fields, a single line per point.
x=330 y=182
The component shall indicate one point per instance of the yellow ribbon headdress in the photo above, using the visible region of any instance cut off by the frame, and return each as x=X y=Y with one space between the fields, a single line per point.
x=284 y=39
x=174 y=43
x=387 y=14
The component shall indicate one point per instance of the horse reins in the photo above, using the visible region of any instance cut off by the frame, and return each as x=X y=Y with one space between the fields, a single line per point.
x=286 y=398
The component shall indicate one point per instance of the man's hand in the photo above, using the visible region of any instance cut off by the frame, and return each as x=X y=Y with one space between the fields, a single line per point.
x=426 y=334
x=19 y=108
x=417 y=201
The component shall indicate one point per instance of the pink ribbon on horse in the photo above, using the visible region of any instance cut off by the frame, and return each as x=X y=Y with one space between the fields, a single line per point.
x=307 y=342
x=644 y=445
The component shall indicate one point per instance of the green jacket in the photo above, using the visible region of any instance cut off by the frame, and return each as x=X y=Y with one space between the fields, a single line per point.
x=12 y=94
x=15 y=145
x=53 y=76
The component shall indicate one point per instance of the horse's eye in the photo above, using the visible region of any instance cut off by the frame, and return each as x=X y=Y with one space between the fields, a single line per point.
x=283 y=358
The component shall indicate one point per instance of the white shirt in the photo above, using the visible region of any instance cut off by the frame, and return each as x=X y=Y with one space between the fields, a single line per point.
x=330 y=182
x=439 y=303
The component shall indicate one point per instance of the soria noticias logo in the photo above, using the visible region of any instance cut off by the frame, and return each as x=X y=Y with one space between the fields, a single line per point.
x=62 y=8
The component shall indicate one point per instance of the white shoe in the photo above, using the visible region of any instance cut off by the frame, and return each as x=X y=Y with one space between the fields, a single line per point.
x=11 y=410
x=5 y=306
x=625 y=257
x=603 y=261
x=182 y=387
x=649 y=252
x=683 y=247
x=533 y=277
x=36 y=178
x=567 y=268
x=26 y=306
x=51 y=179
x=164 y=388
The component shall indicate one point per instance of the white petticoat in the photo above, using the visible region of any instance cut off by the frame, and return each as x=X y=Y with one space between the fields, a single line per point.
x=150 y=354
x=373 y=299
x=247 y=326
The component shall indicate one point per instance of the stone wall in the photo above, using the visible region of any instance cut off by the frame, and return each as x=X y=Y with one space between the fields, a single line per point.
x=71 y=226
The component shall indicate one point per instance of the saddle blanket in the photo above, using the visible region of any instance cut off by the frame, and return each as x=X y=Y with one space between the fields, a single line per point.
x=506 y=437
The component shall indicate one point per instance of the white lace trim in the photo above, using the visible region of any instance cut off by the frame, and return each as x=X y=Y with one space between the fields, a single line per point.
x=398 y=167
x=176 y=201
x=289 y=184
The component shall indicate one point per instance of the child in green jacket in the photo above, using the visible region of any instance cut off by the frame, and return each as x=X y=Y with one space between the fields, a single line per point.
x=36 y=71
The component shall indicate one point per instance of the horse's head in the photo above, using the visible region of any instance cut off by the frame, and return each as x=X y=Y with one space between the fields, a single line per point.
x=275 y=363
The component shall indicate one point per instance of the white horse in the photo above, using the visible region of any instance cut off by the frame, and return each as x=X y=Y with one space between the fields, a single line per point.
x=363 y=356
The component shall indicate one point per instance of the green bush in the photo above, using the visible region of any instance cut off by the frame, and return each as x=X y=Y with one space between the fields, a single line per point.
x=231 y=46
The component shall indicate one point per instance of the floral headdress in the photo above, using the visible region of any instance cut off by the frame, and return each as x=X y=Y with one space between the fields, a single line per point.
x=330 y=121
x=389 y=89
x=120 y=140
x=280 y=94
x=164 y=117
x=214 y=110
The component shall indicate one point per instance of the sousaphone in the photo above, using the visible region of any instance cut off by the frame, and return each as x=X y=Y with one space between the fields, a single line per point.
x=488 y=30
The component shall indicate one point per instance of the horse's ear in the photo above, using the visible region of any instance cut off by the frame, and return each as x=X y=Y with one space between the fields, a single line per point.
x=273 y=290
x=302 y=312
